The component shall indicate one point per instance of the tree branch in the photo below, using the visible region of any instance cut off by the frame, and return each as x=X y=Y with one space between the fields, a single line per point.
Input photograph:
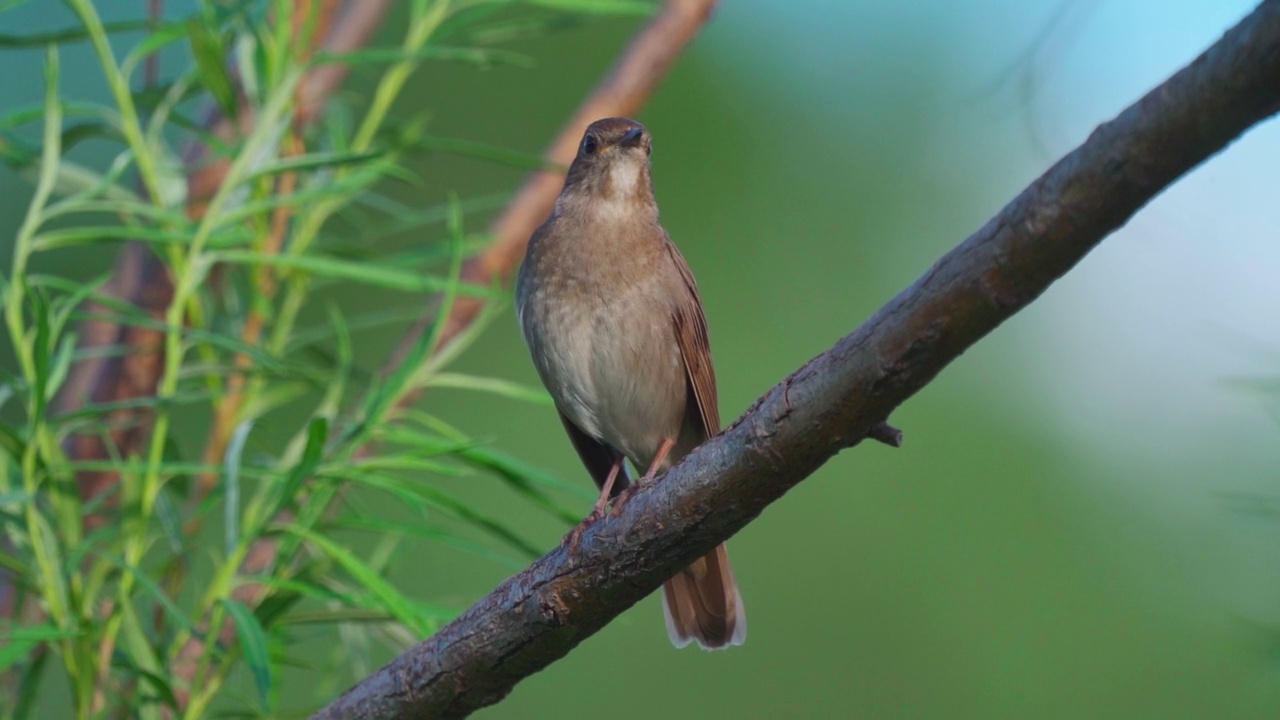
x=833 y=401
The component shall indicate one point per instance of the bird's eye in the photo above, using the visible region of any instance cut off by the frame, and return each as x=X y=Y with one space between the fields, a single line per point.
x=590 y=144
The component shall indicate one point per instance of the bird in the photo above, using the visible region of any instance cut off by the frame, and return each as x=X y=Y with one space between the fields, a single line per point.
x=610 y=312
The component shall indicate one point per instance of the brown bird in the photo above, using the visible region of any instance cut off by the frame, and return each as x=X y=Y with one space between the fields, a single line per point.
x=612 y=317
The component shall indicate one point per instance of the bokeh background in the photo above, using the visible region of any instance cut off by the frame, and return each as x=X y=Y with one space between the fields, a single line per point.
x=1085 y=518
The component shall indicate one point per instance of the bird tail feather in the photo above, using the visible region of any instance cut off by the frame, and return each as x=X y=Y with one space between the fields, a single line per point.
x=702 y=604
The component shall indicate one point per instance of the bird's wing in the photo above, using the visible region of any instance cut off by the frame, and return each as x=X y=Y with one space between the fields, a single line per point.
x=695 y=347
x=598 y=456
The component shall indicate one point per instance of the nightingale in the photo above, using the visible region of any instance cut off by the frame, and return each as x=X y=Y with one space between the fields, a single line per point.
x=611 y=315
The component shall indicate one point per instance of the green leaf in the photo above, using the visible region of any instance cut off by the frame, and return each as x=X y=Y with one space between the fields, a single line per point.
x=420 y=530
x=29 y=684
x=61 y=365
x=40 y=352
x=106 y=234
x=253 y=643
x=12 y=442
x=599 y=7
x=231 y=465
x=211 y=61
x=384 y=592
x=317 y=434
x=333 y=617
x=80 y=185
x=521 y=478
x=158 y=682
x=19 y=642
x=314 y=161
x=162 y=36
x=423 y=494
x=482 y=57
x=485 y=151
x=504 y=388
x=66 y=35
x=148 y=584
x=170 y=518
x=379 y=275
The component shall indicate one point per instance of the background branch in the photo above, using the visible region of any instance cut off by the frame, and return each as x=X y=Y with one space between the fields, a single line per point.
x=833 y=401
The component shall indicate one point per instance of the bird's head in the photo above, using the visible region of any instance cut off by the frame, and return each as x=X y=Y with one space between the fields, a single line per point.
x=613 y=162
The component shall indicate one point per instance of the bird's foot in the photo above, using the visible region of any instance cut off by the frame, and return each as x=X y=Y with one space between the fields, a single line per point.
x=574 y=538
x=621 y=498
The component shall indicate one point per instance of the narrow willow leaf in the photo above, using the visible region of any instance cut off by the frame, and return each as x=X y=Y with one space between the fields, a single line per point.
x=409 y=462
x=11 y=442
x=421 y=530
x=157 y=682
x=166 y=468
x=19 y=569
x=148 y=584
x=253 y=643
x=599 y=7
x=485 y=151
x=402 y=490
x=29 y=687
x=170 y=519
x=211 y=61
x=301 y=587
x=504 y=388
x=521 y=478
x=422 y=494
x=162 y=36
x=110 y=234
x=148 y=401
x=138 y=656
x=333 y=617
x=475 y=452
x=80 y=132
x=324 y=331
x=40 y=351
x=417 y=219
x=332 y=401
x=483 y=57
x=344 y=185
x=317 y=434
x=231 y=472
x=388 y=597
x=61 y=365
x=315 y=161
x=20 y=641
x=381 y=276
x=66 y=35
x=65 y=306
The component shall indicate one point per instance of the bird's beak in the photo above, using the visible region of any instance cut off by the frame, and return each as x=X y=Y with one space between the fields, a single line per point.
x=632 y=138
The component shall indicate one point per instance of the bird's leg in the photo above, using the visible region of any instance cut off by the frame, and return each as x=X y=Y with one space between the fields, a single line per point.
x=575 y=535
x=659 y=458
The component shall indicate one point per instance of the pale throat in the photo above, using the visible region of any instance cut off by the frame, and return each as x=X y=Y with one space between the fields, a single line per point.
x=625 y=194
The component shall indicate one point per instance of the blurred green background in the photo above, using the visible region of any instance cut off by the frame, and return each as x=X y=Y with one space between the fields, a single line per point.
x=1081 y=522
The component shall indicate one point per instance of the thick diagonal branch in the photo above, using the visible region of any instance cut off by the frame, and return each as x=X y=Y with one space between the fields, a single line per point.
x=833 y=401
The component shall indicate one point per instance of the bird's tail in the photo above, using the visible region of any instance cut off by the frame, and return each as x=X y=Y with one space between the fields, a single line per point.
x=702 y=603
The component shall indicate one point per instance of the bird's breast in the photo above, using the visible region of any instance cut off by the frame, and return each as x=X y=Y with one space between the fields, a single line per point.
x=607 y=353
